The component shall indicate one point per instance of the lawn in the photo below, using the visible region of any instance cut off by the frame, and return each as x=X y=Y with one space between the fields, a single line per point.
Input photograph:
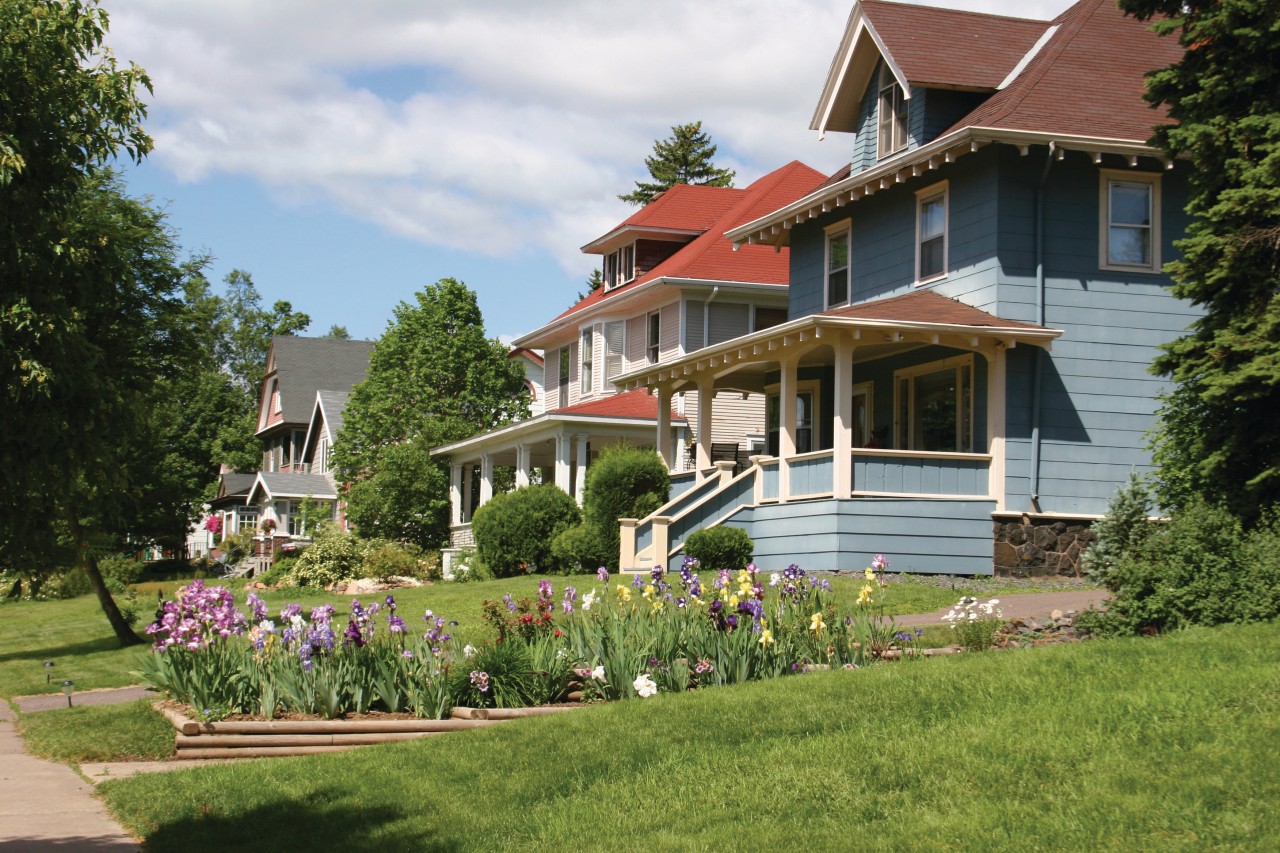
x=1167 y=743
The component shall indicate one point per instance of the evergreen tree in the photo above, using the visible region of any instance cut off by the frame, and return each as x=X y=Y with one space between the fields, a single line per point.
x=1121 y=532
x=1225 y=96
x=594 y=282
x=684 y=158
x=338 y=333
x=433 y=378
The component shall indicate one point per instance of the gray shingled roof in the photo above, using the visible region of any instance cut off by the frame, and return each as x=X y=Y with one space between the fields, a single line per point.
x=233 y=488
x=307 y=365
x=332 y=403
x=280 y=485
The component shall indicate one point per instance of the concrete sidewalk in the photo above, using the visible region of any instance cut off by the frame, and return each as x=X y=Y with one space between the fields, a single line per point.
x=106 y=696
x=1022 y=605
x=45 y=805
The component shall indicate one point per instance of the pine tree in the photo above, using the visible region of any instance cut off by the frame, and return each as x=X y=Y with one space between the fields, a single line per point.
x=684 y=158
x=1121 y=532
x=1224 y=95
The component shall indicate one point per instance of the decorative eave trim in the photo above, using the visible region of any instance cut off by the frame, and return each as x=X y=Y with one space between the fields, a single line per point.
x=855 y=28
x=544 y=420
x=774 y=228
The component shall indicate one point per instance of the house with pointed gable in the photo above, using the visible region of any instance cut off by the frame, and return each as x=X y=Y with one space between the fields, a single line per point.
x=673 y=284
x=975 y=299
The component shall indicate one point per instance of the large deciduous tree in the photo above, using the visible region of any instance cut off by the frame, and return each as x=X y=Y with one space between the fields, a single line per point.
x=684 y=158
x=1218 y=438
x=433 y=378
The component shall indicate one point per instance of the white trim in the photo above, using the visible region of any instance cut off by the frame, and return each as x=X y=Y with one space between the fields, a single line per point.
x=586 y=360
x=900 y=109
x=844 y=226
x=928 y=194
x=1028 y=56
x=910 y=373
x=1111 y=177
x=922 y=454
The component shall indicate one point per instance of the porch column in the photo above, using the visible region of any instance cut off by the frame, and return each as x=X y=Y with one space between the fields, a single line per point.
x=786 y=425
x=455 y=494
x=580 y=477
x=562 y=463
x=996 y=379
x=522 y=465
x=467 y=472
x=486 y=479
x=706 y=394
x=663 y=442
x=842 y=443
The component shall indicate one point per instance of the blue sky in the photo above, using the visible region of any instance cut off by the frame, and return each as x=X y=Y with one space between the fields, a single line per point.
x=348 y=154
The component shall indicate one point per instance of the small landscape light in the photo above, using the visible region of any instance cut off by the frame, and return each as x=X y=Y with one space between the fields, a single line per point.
x=67 y=687
x=48 y=672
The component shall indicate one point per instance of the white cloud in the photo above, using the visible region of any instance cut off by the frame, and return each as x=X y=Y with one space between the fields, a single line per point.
x=525 y=120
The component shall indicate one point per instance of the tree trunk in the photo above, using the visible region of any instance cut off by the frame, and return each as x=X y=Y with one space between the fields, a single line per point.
x=89 y=563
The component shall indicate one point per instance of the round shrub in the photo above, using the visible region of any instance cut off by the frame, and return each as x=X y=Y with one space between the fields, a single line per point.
x=720 y=548
x=514 y=531
x=579 y=549
x=124 y=570
x=391 y=559
x=623 y=482
x=332 y=556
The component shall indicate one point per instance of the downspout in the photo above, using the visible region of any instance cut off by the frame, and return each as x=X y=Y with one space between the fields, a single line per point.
x=706 y=316
x=1038 y=356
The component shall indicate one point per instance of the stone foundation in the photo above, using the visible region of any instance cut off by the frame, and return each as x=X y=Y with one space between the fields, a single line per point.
x=1040 y=546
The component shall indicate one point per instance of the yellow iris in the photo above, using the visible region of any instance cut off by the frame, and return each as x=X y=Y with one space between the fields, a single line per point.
x=624 y=593
x=816 y=624
x=871 y=574
x=648 y=591
x=864 y=597
x=733 y=601
x=766 y=637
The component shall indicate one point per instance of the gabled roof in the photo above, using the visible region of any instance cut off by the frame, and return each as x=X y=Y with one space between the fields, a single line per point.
x=525 y=352
x=232 y=489
x=304 y=366
x=328 y=409
x=632 y=405
x=683 y=210
x=276 y=485
x=710 y=257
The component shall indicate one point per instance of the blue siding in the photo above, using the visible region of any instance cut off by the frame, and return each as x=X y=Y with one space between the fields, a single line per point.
x=920 y=476
x=918 y=535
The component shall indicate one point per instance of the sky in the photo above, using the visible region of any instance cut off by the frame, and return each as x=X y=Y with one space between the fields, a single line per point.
x=347 y=154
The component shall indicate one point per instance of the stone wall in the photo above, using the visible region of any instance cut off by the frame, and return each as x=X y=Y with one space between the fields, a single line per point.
x=1040 y=546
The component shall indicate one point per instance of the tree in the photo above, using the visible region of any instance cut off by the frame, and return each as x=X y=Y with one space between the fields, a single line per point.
x=684 y=158
x=595 y=281
x=88 y=282
x=338 y=333
x=1224 y=95
x=433 y=378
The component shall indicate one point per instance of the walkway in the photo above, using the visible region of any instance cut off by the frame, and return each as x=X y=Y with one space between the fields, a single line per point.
x=43 y=804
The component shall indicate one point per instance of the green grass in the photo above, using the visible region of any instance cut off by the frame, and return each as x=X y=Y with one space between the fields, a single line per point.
x=1167 y=743
x=132 y=731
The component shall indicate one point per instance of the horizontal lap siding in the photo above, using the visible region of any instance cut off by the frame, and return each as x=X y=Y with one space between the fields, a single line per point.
x=733 y=418
x=936 y=537
x=1098 y=396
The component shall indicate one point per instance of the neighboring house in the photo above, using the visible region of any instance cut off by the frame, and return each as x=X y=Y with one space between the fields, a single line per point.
x=534 y=372
x=672 y=285
x=973 y=306
x=303 y=395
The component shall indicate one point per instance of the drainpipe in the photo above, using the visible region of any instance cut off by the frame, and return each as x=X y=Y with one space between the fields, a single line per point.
x=1038 y=355
x=706 y=316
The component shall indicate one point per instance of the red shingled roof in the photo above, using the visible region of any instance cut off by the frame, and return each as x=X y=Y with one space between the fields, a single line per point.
x=684 y=207
x=959 y=49
x=1086 y=80
x=926 y=306
x=710 y=256
x=629 y=404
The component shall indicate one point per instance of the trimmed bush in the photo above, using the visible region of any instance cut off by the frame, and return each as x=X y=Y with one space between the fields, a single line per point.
x=124 y=570
x=332 y=556
x=721 y=547
x=1201 y=568
x=391 y=559
x=579 y=549
x=514 y=531
x=623 y=482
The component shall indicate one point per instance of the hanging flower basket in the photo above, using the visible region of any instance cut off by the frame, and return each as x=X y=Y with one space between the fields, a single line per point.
x=268 y=526
x=213 y=524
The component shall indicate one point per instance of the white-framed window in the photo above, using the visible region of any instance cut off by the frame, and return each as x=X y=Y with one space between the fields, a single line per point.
x=615 y=339
x=932 y=227
x=562 y=385
x=863 y=415
x=933 y=406
x=806 y=418
x=620 y=266
x=276 y=406
x=654 y=337
x=588 y=350
x=246 y=519
x=837 y=263
x=892 y=116
x=1129 y=221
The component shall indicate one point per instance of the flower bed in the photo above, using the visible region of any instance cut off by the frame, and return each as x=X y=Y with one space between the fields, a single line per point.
x=658 y=634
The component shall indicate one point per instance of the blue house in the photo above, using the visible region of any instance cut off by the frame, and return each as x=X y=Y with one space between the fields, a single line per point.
x=975 y=300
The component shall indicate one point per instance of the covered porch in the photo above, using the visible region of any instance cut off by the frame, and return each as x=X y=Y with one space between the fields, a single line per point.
x=901 y=399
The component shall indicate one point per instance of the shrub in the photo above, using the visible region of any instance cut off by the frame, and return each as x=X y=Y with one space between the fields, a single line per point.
x=124 y=570
x=623 y=482
x=1200 y=568
x=720 y=547
x=332 y=556
x=280 y=573
x=1122 y=531
x=391 y=559
x=579 y=549
x=514 y=530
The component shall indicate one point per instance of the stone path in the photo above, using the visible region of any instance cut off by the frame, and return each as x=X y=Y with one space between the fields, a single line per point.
x=43 y=804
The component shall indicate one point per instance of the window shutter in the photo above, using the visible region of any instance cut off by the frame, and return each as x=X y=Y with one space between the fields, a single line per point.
x=615 y=339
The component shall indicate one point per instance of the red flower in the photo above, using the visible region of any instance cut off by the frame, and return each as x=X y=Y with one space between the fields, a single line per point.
x=557 y=632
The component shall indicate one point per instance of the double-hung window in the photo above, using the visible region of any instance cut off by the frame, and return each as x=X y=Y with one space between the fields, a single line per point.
x=615 y=336
x=620 y=266
x=891 y=124
x=654 y=337
x=931 y=233
x=934 y=406
x=562 y=384
x=838 y=264
x=1129 y=220
x=588 y=357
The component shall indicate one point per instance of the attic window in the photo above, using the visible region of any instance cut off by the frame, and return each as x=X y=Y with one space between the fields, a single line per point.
x=620 y=266
x=275 y=397
x=891 y=135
